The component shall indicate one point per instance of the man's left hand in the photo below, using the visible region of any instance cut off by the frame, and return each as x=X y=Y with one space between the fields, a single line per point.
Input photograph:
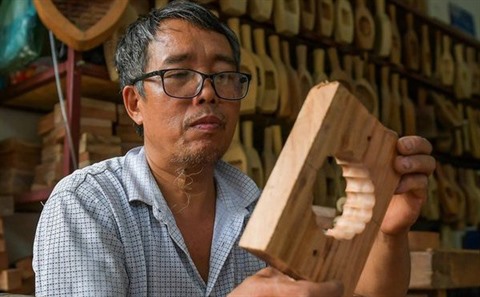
x=415 y=164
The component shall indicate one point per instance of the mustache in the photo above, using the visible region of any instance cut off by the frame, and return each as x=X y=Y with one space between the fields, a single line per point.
x=203 y=113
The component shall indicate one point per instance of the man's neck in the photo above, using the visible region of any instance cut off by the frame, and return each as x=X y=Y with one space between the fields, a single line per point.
x=187 y=190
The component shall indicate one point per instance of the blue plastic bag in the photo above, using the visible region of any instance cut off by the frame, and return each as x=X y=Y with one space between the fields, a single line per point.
x=21 y=34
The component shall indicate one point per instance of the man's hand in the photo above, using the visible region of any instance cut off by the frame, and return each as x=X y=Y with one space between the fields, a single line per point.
x=415 y=164
x=271 y=282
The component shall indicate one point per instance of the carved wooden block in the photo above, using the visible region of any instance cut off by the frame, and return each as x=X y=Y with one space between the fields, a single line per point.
x=283 y=229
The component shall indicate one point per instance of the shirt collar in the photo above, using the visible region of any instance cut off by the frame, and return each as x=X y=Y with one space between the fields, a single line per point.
x=236 y=188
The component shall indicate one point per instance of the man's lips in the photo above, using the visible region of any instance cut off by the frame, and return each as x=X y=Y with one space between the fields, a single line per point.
x=207 y=122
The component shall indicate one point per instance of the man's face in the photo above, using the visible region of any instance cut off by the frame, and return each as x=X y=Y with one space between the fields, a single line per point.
x=187 y=131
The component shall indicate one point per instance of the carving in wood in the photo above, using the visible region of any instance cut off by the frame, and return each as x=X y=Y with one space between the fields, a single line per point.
x=283 y=229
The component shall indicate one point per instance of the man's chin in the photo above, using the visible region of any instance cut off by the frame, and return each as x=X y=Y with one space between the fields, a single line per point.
x=201 y=157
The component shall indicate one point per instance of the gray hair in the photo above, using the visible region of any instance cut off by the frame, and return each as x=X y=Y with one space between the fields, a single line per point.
x=131 y=56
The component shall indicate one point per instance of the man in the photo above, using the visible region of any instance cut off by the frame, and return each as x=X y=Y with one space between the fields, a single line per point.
x=165 y=220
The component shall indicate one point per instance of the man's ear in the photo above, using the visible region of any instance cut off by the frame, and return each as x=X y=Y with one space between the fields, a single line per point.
x=131 y=100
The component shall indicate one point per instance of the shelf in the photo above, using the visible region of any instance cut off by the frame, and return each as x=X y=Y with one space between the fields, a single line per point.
x=39 y=93
x=445 y=269
x=434 y=23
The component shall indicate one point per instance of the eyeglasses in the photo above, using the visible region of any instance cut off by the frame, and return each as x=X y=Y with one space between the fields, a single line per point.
x=188 y=83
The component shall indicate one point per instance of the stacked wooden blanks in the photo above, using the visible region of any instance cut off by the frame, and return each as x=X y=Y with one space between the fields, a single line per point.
x=10 y=278
x=97 y=119
x=18 y=159
x=283 y=229
x=95 y=148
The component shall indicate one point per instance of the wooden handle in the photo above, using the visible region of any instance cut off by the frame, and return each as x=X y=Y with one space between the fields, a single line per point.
x=348 y=64
x=359 y=67
x=392 y=12
x=259 y=37
x=234 y=25
x=277 y=139
x=333 y=56
x=246 y=31
x=319 y=60
x=286 y=52
x=359 y=3
x=380 y=6
x=274 y=44
x=301 y=51
x=409 y=19
x=247 y=128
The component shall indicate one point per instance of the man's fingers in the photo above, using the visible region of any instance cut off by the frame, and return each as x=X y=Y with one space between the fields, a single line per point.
x=413 y=182
x=412 y=145
x=415 y=164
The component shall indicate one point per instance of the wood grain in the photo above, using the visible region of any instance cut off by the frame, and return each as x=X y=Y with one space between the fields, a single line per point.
x=283 y=229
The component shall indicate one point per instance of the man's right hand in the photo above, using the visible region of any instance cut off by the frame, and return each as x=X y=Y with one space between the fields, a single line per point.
x=271 y=282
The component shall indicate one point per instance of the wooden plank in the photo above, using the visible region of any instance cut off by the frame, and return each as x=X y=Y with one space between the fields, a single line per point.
x=283 y=229
x=25 y=266
x=3 y=260
x=445 y=269
x=10 y=279
x=422 y=240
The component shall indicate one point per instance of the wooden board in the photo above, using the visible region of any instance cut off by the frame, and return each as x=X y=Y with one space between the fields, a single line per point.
x=10 y=279
x=79 y=24
x=444 y=269
x=283 y=229
x=396 y=50
x=423 y=240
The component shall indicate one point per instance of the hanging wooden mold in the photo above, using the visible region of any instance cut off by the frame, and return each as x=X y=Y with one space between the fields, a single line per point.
x=283 y=229
x=80 y=24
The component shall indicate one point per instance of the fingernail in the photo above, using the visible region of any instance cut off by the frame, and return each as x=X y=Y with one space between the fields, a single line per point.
x=408 y=144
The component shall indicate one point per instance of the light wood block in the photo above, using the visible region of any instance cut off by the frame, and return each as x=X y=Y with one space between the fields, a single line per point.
x=3 y=260
x=283 y=229
x=444 y=269
x=422 y=240
x=10 y=279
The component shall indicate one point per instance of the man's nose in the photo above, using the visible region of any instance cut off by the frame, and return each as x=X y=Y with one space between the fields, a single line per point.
x=207 y=94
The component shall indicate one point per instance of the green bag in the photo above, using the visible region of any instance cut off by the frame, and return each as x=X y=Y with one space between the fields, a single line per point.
x=21 y=34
